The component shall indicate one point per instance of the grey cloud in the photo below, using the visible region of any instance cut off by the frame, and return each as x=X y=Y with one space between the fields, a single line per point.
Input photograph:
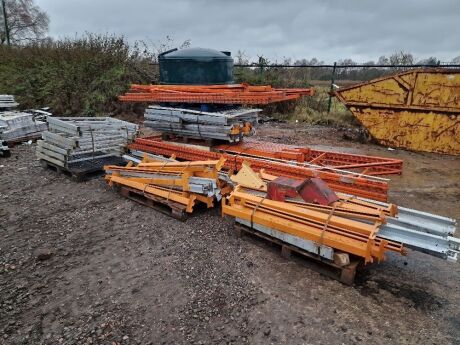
x=327 y=29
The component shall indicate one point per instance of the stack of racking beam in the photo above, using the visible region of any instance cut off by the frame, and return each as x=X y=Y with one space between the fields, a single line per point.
x=228 y=125
x=177 y=185
x=213 y=94
x=84 y=142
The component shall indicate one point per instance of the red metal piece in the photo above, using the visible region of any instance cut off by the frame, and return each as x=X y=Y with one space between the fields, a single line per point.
x=369 y=165
x=283 y=187
x=357 y=185
x=316 y=191
x=221 y=94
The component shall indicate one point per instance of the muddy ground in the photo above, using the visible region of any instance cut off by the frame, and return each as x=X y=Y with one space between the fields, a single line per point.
x=121 y=273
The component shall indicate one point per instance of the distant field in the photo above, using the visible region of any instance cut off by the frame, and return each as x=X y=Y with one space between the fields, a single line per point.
x=337 y=82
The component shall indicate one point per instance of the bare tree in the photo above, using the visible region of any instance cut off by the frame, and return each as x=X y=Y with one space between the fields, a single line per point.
x=401 y=58
x=456 y=60
x=25 y=21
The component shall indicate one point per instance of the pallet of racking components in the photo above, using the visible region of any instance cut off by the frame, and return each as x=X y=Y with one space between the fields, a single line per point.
x=84 y=170
x=169 y=181
x=319 y=159
x=84 y=144
x=419 y=231
x=355 y=237
x=343 y=273
x=228 y=125
x=370 y=187
x=16 y=127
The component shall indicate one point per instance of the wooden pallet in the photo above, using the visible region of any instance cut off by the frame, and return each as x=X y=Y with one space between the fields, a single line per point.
x=344 y=274
x=85 y=170
x=162 y=205
x=33 y=136
x=75 y=175
x=189 y=140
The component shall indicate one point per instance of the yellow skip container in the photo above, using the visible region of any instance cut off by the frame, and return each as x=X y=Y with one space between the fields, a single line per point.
x=417 y=110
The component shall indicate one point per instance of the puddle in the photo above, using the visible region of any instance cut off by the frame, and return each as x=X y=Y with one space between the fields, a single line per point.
x=423 y=300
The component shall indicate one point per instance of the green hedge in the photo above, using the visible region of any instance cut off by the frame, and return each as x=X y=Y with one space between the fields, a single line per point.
x=81 y=76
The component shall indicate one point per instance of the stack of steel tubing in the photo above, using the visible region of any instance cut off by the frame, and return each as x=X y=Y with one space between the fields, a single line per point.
x=420 y=231
x=341 y=181
x=78 y=139
x=212 y=94
x=339 y=233
x=304 y=156
x=229 y=125
x=170 y=181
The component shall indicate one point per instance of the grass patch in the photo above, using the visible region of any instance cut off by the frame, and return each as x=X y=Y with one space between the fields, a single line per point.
x=313 y=110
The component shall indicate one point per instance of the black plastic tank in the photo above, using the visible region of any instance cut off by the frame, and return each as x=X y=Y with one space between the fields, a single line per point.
x=196 y=66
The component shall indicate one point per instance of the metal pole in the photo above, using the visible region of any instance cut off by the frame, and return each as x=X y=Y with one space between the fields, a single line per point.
x=332 y=88
x=5 y=20
x=261 y=69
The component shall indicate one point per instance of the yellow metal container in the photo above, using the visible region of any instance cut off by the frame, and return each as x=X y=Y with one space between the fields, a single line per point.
x=417 y=110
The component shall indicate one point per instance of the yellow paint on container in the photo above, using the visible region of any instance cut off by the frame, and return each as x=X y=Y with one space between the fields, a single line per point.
x=417 y=110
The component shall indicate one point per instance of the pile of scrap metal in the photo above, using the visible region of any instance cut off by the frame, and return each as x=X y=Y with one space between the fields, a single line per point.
x=228 y=125
x=178 y=185
x=75 y=141
x=308 y=215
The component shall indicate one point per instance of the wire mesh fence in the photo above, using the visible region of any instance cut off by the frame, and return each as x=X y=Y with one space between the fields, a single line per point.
x=325 y=78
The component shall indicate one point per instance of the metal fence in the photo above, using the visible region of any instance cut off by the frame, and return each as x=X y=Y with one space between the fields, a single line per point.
x=329 y=76
x=325 y=77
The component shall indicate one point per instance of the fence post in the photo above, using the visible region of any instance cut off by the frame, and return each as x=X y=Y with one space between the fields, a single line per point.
x=261 y=69
x=332 y=88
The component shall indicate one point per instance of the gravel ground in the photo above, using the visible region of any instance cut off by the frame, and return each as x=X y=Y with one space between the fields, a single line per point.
x=81 y=265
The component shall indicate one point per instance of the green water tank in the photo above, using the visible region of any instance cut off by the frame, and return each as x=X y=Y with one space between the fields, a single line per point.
x=196 y=66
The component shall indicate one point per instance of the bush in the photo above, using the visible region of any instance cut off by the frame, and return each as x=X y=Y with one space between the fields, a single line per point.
x=81 y=76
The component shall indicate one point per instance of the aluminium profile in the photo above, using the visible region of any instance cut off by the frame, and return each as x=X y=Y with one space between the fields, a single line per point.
x=307 y=245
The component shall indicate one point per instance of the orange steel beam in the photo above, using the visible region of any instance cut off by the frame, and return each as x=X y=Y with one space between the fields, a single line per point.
x=355 y=185
x=345 y=161
x=188 y=201
x=340 y=208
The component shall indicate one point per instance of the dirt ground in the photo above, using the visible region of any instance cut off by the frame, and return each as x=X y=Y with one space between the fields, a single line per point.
x=121 y=273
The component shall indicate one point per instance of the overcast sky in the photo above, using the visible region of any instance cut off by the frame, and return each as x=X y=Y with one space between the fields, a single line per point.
x=329 y=30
